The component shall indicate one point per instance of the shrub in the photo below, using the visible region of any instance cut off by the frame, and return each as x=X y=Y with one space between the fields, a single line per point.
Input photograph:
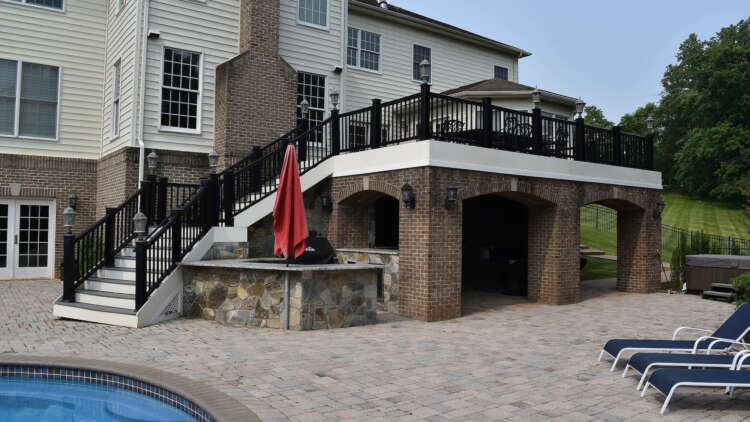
x=741 y=286
x=699 y=243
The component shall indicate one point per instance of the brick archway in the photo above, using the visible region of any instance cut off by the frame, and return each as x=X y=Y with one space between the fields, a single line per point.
x=638 y=234
x=357 y=186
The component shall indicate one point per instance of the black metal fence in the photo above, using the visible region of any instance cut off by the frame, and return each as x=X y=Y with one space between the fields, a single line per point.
x=605 y=220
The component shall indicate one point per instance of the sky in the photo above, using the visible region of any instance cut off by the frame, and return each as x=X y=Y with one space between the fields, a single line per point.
x=611 y=53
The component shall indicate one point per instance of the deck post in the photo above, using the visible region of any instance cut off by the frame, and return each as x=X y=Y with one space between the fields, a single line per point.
x=149 y=192
x=487 y=122
x=69 y=267
x=335 y=132
x=177 y=235
x=376 y=125
x=616 y=146
x=424 y=112
x=580 y=144
x=109 y=237
x=161 y=199
x=536 y=130
x=649 y=151
x=140 y=272
x=228 y=197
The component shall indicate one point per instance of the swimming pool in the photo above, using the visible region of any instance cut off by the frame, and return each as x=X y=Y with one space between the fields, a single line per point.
x=33 y=399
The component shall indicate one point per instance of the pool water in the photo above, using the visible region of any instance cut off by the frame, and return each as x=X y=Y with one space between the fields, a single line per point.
x=33 y=399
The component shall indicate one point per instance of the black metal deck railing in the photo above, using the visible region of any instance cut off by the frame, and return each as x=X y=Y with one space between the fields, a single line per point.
x=182 y=214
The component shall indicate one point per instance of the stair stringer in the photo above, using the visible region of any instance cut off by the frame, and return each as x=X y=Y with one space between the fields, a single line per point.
x=265 y=206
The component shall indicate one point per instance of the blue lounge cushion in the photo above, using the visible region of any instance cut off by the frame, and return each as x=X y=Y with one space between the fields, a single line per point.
x=615 y=346
x=641 y=361
x=665 y=379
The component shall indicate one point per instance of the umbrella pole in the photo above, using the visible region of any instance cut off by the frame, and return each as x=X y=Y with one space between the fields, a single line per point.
x=286 y=298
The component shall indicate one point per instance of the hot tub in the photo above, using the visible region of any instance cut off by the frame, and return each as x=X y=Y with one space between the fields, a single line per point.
x=702 y=270
x=251 y=292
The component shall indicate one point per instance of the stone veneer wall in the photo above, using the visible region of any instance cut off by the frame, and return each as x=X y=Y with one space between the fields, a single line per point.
x=53 y=178
x=117 y=173
x=318 y=299
x=389 y=260
x=430 y=235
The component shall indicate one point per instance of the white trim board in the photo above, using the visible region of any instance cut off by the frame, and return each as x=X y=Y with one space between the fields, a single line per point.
x=449 y=155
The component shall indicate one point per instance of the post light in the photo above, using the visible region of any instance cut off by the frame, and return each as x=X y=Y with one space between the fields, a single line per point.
x=650 y=123
x=580 y=105
x=335 y=99
x=304 y=108
x=536 y=98
x=407 y=196
x=213 y=161
x=452 y=196
x=69 y=219
x=325 y=201
x=659 y=209
x=425 y=69
x=73 y=200
x=153 y=161
x=140 y=221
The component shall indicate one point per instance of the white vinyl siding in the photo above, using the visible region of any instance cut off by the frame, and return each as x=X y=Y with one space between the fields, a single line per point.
x=313 y=12
x=209 y=28
x=309 y=49
x=74 y=42
x=454 y=62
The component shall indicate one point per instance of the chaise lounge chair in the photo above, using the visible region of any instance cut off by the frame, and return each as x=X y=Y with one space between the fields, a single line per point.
x=729 y=333
x=643 y=363
x=667 y=380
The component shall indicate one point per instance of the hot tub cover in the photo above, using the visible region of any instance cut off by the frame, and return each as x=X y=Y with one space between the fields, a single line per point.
x=718 y=261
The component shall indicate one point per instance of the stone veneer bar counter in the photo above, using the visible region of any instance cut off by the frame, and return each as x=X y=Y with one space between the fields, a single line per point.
x=251 y=292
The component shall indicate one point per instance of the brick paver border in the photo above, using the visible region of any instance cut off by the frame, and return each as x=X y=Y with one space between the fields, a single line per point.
x=221 y=406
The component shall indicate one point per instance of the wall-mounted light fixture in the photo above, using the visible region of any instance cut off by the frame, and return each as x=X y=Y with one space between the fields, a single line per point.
x=325 y=201
x=69 y=219
x=407 y=196
x=452 y=196
x=659 y=209
x=213 y=161
x=153 y=162
x=73 y=200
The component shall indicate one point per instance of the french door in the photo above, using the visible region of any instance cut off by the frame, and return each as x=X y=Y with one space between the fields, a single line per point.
x=27 y=239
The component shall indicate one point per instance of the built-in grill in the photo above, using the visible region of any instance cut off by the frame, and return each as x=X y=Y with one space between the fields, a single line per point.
x=318 y=251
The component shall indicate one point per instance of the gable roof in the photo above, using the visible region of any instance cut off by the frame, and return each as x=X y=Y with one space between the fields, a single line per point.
x=373 y=6
x=488 y=85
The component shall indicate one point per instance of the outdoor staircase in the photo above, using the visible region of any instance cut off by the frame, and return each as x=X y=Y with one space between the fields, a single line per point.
x=719 y=291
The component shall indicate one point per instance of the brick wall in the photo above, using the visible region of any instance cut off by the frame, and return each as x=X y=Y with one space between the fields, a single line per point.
x=256 y=92
x=53 y=178
x=430 y=236
x=117 y=173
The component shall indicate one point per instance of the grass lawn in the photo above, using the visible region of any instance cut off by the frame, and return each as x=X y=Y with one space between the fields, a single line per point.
x=597 y=239
x=597 y=269
x=722 y=218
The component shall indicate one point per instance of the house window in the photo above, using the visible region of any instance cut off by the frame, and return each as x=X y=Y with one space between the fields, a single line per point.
x=35 y=101
x=501 y=72
x=313 y=88
x=114 y=128
x=180 y=93
x=314 y=12
x=363 y=47
x=421 y=53
x=54 y=4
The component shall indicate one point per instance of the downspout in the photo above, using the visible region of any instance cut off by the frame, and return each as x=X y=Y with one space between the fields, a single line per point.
x=342 y=53
x=142 y=88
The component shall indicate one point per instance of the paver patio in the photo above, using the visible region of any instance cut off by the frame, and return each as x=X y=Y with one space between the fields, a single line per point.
x=504 y=360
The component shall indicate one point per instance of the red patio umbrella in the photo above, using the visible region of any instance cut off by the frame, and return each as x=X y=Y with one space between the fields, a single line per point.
x=289 y=221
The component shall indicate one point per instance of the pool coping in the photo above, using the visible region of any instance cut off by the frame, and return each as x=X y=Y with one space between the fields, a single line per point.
x=221 y=406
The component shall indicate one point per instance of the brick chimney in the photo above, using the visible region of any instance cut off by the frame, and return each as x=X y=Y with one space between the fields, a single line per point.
x=256 y=92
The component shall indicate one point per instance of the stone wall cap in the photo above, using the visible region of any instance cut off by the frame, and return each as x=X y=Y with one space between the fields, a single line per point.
x=370 y=251
x=253 y=264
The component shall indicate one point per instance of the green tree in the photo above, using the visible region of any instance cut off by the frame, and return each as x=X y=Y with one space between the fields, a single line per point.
x=636 y=122
x=594 y=116
x=703 y=117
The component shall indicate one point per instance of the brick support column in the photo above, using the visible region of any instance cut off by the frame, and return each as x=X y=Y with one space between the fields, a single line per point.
x=554 y=263
x=638 y=240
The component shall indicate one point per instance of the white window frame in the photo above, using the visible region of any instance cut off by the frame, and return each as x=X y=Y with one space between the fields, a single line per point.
x=199 y=104
x=114 y=114
x=17 y=110
x=432 y=64
x=40 y=6
x=326 y=27
x=359 y=50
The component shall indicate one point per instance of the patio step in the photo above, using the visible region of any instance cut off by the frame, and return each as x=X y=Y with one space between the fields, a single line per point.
x=592 y=252
x=720 y=296
x=108 y=299
x=722 y=287
x=110 y=285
